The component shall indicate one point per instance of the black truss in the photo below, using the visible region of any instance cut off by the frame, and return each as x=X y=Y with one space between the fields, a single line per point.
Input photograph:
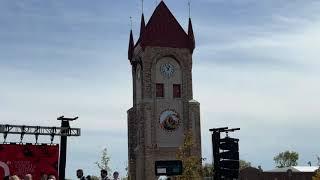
x=39 y=130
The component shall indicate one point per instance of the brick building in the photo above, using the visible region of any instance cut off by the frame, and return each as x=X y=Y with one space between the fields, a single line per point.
x=288 y=173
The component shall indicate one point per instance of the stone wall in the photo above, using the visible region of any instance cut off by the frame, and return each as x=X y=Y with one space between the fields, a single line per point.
x=147 y=142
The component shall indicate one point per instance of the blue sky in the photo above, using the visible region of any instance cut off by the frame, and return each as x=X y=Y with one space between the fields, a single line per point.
x=256 y=66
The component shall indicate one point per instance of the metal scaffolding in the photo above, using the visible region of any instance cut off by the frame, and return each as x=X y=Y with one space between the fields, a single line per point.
x=39 y=130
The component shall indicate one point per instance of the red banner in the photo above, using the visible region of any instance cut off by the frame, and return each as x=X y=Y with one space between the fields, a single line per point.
x=19 y=159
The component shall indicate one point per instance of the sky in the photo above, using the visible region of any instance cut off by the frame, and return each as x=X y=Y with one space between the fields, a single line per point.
x=255 y=67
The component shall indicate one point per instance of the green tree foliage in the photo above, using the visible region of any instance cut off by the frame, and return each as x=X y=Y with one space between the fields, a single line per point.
x=104 y=161
x=244 y=164
x=207 y=170
x=286 y=159
x=95 y=178
x=316 y=175
x=191 y=164
x=127 y=174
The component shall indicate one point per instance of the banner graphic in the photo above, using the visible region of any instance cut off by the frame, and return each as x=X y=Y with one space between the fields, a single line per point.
x=22 y=159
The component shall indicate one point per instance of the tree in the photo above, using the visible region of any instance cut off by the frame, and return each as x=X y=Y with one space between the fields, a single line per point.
x=95 y=178
x=317 y=175
x=207 y=170
x=286 y=159
x=191 y=164
x=244 y=164
x=104 y=161
x=127 y=175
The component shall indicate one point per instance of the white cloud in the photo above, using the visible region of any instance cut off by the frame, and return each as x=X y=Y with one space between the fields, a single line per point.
x=277 y=35
x=262 y=78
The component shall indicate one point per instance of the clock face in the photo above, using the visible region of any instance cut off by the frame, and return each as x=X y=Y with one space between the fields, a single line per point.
x=167 y=70
x=169 y=120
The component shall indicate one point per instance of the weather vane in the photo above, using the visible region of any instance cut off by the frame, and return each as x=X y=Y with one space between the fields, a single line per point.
x=189 y=5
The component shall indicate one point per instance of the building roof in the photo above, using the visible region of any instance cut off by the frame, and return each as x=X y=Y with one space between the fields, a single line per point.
x=296 y=169
x=163 y=30
x=306 y=168
x=194 y=101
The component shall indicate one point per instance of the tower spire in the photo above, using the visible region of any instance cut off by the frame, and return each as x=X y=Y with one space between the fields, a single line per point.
x=131 y=43
x=191 y=36
x=190 y=30
x=143 y=24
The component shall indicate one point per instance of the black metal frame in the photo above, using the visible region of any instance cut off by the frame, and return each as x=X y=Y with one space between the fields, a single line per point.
x=39 y=130
x=216 y=149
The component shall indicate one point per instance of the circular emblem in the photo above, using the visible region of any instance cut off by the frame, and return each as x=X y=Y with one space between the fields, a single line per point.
x=169 y=120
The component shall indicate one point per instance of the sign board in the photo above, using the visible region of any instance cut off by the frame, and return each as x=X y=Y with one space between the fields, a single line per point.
x=22 y=159
x=168 y=168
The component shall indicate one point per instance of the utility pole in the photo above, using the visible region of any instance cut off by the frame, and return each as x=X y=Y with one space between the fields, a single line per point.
x=65 y=126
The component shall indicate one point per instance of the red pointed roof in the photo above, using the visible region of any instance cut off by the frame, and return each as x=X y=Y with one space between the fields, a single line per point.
x=192 y=43
x=131 y=46
x=142 y=25
x=163 y=30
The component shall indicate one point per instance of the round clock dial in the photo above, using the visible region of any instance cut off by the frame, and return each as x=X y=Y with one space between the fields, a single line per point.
x=169 y=120
x=167 y=70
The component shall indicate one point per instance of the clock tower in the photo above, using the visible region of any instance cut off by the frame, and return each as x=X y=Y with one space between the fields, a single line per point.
x=163 y=106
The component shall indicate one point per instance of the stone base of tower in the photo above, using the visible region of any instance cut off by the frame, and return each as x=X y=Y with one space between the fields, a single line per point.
x=145 y=169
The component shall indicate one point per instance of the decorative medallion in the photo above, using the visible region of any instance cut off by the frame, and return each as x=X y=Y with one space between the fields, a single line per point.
x=167 y=70
x=169 y=120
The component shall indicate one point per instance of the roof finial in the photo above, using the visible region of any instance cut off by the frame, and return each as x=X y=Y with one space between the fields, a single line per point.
x=142 y=6
x=189 y=5
x=131 y=22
